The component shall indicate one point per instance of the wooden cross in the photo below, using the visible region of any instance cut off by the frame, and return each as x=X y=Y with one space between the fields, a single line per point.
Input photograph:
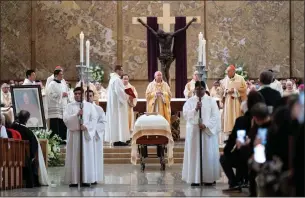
x=166 y=20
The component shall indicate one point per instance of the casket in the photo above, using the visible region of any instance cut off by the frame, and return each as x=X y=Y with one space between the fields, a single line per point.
x=152 y=129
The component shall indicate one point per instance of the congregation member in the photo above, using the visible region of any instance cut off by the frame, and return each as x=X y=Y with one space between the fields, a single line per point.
x=56 y=104
x=131 y=102
x=190 y=86
x=35 y=172
x=101 y=91
x=235 y=92
x=232 y=157
x=272 y=97
x=289 y=89
x=3 y=132
x=88 y=128
x=30 y=77
x=277 y=85
x=210 y=126
x=261 y=119
x=158 y=97
x=98 y=141
x=117 y=130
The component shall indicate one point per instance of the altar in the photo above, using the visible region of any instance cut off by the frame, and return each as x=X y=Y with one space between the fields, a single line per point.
x=176 y=108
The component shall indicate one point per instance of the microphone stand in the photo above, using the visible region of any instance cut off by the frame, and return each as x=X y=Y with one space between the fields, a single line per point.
x=202 y=77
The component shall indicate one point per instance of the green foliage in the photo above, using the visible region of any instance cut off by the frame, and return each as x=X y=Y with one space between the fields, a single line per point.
x=53 y=146
x=97 y=73
x=240 y=70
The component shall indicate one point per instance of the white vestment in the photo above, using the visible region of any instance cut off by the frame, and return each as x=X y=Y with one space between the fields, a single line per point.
x=117 y=111
x=64 y=88
x=98 y=144
x=210 y=148
x=72 y=162
x=55 y=100
x=277 y=85
x=28 y=82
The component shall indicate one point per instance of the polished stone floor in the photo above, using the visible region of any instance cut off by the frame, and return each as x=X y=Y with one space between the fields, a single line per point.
x=128 y=180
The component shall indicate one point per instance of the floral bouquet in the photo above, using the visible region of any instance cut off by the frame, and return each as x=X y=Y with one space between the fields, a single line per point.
x=53 y=146
x=97 y=73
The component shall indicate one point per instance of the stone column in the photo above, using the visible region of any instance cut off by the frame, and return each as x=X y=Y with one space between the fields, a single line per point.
x=119 y=32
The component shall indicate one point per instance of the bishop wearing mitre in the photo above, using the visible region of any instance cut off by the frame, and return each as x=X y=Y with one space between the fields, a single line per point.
x=235 y=92
x=72 y=115
x=158 y=96
x=190 y=86
x=132 y=102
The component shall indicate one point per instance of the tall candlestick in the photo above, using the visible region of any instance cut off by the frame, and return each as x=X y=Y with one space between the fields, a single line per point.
x=81 y=48
x=203 y=52
x=87 y=53
x=200 y=37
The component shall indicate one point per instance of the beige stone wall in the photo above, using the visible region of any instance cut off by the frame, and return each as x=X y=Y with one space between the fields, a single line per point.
x=255 y=33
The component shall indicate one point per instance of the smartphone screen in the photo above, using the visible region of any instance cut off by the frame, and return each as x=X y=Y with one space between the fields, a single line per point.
x=262 y=134
x=259 y=153
x=241 y=135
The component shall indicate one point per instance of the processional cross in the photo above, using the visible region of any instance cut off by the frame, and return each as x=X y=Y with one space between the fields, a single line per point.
x=165 y=37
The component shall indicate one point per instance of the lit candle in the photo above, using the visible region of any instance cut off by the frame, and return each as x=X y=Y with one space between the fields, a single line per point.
x=81 y=48
x=200 y=37
x=87 y=53
x=203 y=52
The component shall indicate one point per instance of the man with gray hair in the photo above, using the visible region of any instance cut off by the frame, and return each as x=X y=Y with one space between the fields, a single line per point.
x=272 y=97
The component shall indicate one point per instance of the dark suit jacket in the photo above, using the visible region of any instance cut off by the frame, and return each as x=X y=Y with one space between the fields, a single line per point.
x=241 y=123
x=272 y=97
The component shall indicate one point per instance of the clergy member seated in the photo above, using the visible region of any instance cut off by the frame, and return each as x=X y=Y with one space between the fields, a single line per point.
x=6 y=101
x=117 y=131
x=72 y=115
x=35 y=173
x=98 y=140
x=189 y=89
x=210 y=125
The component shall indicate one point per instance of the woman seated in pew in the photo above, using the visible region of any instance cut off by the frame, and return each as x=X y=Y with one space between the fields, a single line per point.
x=3 y=132
x=35 y=173
x=11 y=133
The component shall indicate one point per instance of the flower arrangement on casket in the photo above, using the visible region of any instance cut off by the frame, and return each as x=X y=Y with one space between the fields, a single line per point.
x=53 y=146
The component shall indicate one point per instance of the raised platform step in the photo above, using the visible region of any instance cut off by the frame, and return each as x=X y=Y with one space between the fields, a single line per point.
x=121 y=155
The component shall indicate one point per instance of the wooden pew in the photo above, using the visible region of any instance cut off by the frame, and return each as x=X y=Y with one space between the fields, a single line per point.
x=12 y=161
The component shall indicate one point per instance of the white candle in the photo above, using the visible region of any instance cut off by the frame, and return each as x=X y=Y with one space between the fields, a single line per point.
x=203 y=52
x=87 y=53
x=200 y=37
x=81 y=48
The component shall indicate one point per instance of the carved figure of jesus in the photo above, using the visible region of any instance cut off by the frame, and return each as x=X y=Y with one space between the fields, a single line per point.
x=165 y=40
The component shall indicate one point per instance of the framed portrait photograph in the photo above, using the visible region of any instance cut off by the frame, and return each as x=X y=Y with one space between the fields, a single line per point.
x=29 y=98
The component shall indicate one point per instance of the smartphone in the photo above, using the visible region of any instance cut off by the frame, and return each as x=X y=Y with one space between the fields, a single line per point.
x=259 y=153
x=241 y=135
x=262 y=134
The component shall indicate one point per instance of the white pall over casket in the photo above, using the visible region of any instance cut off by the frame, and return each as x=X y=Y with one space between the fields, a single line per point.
x=151 y=125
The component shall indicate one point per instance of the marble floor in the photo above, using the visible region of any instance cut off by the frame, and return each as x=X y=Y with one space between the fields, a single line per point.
x=127 y=180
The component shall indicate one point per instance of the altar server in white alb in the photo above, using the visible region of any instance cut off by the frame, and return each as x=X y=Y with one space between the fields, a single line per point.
x=117 y=130
x=98 y=140
x=210 y=125
x=72 y=115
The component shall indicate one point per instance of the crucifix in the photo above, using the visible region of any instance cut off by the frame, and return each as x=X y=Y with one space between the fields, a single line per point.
x=165 y=37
